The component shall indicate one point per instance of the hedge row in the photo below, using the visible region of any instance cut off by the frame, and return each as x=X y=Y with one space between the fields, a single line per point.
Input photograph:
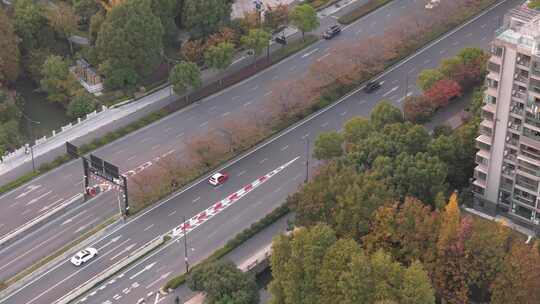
x=361 y=11
x=232 y=244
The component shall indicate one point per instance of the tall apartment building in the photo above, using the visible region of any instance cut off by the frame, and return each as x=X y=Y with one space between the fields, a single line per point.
x=507 y=177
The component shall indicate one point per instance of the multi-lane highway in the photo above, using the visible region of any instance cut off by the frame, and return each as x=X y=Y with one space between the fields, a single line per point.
x=166 y=136
x=291 y=144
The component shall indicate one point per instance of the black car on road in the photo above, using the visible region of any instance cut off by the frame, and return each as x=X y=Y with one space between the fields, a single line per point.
x=331 y=32
x=372 y=86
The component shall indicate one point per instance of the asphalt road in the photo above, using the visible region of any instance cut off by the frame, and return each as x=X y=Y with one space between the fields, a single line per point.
x=137 y=150
x=291 y=144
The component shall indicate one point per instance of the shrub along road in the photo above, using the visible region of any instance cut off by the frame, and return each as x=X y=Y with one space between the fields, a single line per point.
x=214 y=233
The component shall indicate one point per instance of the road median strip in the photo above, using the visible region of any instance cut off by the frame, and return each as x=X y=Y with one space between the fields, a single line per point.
x=38 y=220
x=107 y=273
x=44 y=264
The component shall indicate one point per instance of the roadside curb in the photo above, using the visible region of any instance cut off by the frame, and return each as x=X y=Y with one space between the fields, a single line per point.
x=12 y=235
x=46 y=267
x=107 y=273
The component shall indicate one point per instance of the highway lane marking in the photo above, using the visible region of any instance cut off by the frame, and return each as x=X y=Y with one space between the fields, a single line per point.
x=144 y=139
x=30 y=189
x=278 y=189
x=403 y=98
x=411 y=70
x=197 y=199
x=427 y=61
x=483 y=38
x=469 y=35
x=324 y=124
x=225 y=114
x=162 y=277
x=32 y=201
x=285 y=148
x=128 y=248
x=275 y=77
x=262 y=161
x=287 y=131
x=255 y=87
x=292 y=68
x=306 y=135
x=455 y=43
x=442 y=52
x=391 y=91
x=69 y=220
x=20 y=256
x=118 y=151
x=149 y=227
x=323 y=56
x=483 y=25
x=147 y=267
x=239 y=59
x=97 y=219
x=156 y=146
x=203 y=124
x=168 y=129
x=268 y=93
x=113 y=240
x=172 y=213
x=180 y=135
x=310 y=53
x=343 y=113
x=359 y=31
x=373 y=23
x=242 y=173
x=131 y=157
x=212 y=108
x=235 y=97
x=26 y=211
x=247 y=103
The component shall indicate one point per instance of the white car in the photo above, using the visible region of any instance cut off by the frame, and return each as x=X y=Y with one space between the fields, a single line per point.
x=218 y=179
x=83 y=256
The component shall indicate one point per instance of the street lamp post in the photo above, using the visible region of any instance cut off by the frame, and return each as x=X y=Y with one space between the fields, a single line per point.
x=307 y=160
x=30 y=121
x=185 y=248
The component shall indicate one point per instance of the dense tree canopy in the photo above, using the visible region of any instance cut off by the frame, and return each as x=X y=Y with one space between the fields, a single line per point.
x=9 y=50
x=130 y=40
x=224 y=283
x=205 y=17
x=30 y=24
x=184 y=76
x=304 y=17
x=312 y=266
x=56 y=80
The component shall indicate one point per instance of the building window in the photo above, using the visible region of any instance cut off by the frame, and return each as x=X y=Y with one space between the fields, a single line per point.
x=496 y=50
x=493 y=67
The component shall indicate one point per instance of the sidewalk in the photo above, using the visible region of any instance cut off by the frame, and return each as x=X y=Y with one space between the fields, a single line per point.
x=97 y=124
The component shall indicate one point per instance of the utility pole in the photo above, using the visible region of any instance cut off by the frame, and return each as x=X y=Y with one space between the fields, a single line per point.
x=307 y=159
x=185 y=247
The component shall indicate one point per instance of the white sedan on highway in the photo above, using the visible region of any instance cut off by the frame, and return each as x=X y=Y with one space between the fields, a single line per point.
x=83 y=256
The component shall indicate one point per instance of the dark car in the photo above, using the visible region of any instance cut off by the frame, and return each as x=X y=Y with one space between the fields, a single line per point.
x=372 y=86
x=332 y=31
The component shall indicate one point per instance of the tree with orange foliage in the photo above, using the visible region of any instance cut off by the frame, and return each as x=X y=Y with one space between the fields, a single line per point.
x=442 y=92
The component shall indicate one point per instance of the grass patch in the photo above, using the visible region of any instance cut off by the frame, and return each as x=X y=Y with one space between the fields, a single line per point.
x=233 y=243
x=292 y=48
x=57 y=253
x=361 y=11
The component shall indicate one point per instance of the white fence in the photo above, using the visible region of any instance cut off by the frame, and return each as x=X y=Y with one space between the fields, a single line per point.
x=25 y=149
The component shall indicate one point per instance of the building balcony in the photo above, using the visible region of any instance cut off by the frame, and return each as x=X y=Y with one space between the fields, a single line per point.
x=525 y=214
x=533 y=135
x=484 y=139
x=515 y=127
x=479 y=187
x=491 y=108
x=517 y=108
x=482 y=158
x=521 y=79
x=519 y=94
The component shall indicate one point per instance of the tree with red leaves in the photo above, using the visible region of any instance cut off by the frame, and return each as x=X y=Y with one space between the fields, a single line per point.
x=442 y=92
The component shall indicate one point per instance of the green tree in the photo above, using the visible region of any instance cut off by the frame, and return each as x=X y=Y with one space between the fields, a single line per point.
x=9 y=50
x=167 y=10
x=534 y=4
x=518 y=282
x=224 y=283
x=130 y=38
x=416 y=288
x=304 y=17
x=296 y=261
x=220 y=56
x=33 y=63
x=336 y=261
x=385 y=113
x=356 y=129
x=85 y=8
x=205 y=17
x=427 y=78
x=56 y=80
x=257 y=40
x=63 y=20
x=183 y=76
x=95 y=24
x=328 y=145
x=29 y=23
x=81 y=105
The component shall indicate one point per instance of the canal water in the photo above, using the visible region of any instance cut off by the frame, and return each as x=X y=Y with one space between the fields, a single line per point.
x=51 y=116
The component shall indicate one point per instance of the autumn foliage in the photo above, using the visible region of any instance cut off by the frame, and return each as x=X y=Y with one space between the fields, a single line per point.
x=442 y=92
